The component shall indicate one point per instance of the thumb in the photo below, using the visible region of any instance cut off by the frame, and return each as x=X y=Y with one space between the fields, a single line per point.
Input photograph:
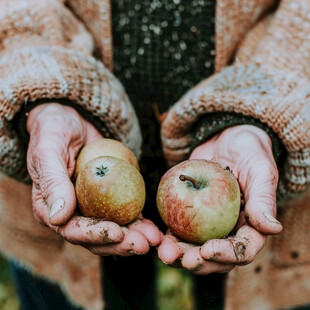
x=52 y=179
x=260 y=197
x=60 y=200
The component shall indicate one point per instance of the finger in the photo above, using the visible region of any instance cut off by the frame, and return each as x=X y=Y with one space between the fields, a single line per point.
x=193 y=262
x=260 y=197
x=39 y=207
x=82 y=230
x=172 y=249
x=212 y=267
x=133 y=243
x=79 y=229
x=52 y=178
x=168 y=250
x=148 y=229
x=192 y=259
x=240 y=250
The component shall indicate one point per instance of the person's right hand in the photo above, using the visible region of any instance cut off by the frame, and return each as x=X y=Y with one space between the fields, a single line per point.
x=57 y=133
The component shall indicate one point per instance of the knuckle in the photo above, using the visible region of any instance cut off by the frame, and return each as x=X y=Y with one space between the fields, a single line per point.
x=50 y=182
x=239 y=249
x=243 y=252
x=37 y=160
x=268 y=200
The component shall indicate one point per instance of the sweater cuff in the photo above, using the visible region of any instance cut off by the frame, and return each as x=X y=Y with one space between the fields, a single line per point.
x=270 y=95
x=55 y=74
x=217 y=122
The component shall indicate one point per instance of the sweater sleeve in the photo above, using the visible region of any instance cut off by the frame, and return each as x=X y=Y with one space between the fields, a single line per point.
x=46 y=55
x=268 y=81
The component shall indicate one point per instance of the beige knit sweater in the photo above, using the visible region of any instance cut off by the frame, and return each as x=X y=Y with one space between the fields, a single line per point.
x=263 y=70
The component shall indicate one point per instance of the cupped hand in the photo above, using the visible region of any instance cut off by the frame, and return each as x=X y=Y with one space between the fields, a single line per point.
x=247 y=151
x=57 y=133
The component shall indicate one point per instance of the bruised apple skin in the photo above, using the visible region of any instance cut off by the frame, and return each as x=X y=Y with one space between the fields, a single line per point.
x=199 y=200
x=111 y=189
x=104 y=147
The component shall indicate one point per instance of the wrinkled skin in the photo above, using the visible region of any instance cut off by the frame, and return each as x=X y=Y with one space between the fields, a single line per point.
x=57 y=133
x=247 y=151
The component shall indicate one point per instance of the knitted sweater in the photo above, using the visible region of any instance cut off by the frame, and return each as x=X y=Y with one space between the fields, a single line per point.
x=62 y=50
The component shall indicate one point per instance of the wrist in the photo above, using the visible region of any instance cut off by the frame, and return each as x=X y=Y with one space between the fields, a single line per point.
x=250 y=131
x=42 y=113
x=32 y=117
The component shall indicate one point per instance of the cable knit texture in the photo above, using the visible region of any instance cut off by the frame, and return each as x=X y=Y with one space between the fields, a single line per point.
x=57 y=49
x=271 y=83
x=47 y=55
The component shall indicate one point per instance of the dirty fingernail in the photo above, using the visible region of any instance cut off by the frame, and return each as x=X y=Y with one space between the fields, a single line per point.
x=214 y=257
x=134 y=252
x=271 y=219
x=57 y=206
x=197 y=268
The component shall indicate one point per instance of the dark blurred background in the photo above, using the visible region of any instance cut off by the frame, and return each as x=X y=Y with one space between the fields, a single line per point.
x=174 y=288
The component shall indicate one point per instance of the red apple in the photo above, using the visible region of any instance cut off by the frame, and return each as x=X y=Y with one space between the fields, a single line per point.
x=111 y=189
x=199 y=200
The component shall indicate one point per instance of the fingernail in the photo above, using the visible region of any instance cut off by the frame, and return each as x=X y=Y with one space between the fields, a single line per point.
x=271 y=219
x=57 y=206
x=214 y=257
x=197 y=268
x=134 y=252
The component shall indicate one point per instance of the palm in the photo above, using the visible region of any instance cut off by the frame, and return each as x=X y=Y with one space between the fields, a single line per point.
x=246 y=150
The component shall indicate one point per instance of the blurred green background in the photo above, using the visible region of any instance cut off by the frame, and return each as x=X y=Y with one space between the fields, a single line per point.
x=174 y=289
x=8 y=300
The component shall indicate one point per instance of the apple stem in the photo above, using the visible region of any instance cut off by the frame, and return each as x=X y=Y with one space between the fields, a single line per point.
x=183 y=177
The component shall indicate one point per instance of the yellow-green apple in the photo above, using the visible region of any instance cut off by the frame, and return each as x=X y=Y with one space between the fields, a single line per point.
x=111 y=189
x=103 y=147
x=199 y=200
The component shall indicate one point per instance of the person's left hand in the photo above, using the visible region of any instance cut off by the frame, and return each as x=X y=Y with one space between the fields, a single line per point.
x=247 y=151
